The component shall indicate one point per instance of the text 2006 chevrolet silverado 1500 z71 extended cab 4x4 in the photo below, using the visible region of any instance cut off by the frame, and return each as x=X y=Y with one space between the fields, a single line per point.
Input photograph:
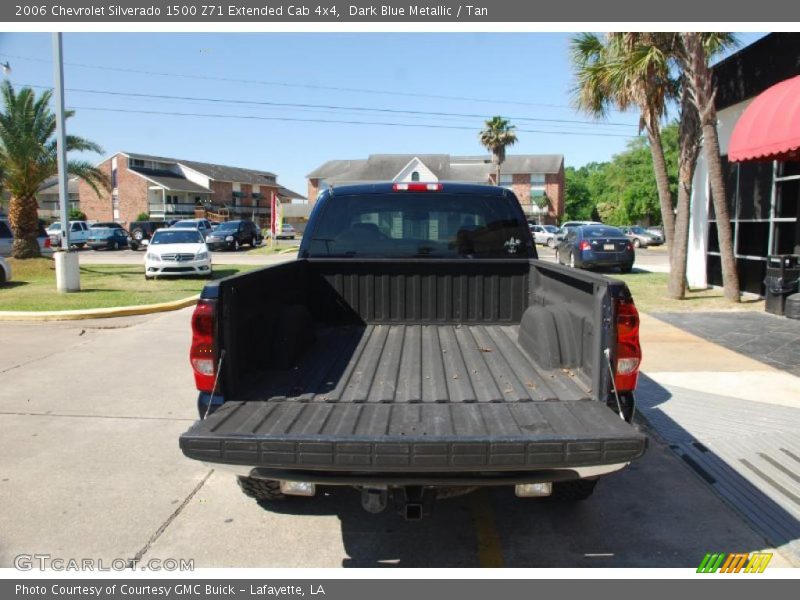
x=416 y=348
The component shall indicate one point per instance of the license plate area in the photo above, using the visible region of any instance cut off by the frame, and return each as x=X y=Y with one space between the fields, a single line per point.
x=608 y=247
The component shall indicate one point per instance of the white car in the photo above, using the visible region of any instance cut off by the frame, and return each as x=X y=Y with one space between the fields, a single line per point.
x=78 y=233
x=5 y=271
x=202 y=225
x=177 y=251
x=541 y=233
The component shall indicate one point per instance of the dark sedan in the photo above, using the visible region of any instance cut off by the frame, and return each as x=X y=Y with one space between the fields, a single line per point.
x=107 y=238
x=592 y=246
x=232 y=235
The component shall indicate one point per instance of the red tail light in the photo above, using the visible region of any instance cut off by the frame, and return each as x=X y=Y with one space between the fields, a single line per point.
x=629 y=246
x=584 y=245
x=417 y=187
x=47 y=243
x=629 y=352
x=202 y=355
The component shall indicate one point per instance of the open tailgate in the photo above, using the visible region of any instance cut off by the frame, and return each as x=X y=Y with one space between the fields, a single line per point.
x=376 y=437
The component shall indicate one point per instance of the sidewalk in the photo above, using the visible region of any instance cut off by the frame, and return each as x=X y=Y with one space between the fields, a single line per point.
x=733 y=419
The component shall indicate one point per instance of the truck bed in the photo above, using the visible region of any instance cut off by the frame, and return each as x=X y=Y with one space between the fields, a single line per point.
x=417 y=363
x=414 y=366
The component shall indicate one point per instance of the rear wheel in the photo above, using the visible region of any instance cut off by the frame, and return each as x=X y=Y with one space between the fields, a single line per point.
x=262 y=490
x=573 y=491
x=236 y=245
x=626 y=268
x=637 y=243
x=551 y=242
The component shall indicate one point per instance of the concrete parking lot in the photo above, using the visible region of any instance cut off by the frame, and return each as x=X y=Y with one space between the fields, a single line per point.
x=91 y=412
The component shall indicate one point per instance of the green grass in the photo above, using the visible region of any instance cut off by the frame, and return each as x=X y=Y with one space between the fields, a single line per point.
x=649 y=292
x=280 y=248
x=102 y=286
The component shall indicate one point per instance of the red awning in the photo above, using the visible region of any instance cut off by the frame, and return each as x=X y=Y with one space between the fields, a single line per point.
x=769 y=129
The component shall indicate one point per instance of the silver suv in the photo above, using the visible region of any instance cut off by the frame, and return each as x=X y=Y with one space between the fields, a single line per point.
x=7 y=238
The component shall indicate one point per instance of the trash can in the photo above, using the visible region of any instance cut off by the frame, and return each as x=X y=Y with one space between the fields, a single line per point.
x=782 y=280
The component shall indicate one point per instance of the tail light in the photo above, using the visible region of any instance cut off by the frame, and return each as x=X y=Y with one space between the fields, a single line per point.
x=584 y=245
x=629 y=246
x=629 y=352
x=417 y=187
x=47 y=243
x=202 y=355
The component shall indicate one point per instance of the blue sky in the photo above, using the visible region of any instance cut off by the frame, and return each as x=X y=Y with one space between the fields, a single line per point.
x=521 y=76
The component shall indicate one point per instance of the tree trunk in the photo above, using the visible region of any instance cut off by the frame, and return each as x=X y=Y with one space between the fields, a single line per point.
x=730 y=277
x=23 y=216
x=662 y=181
x=689 y=141
x=702 y=90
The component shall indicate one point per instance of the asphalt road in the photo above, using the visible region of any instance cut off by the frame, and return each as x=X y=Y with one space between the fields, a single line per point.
x=90 y=468
x=655 y=259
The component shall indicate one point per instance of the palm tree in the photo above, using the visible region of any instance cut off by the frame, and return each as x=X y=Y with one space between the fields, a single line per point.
x=696 y=52
x=497 y=135
x=689 y=149
x=629 y=70
x=28 y=157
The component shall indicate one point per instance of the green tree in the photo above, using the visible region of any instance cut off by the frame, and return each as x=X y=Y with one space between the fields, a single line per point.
x=495 y=137
x=28 y=157
x=629 y=71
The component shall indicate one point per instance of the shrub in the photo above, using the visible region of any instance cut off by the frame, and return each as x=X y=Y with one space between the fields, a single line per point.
x=143 y=217
x=76 y=214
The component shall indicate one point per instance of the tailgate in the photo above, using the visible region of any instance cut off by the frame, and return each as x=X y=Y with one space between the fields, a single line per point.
x=376 y=437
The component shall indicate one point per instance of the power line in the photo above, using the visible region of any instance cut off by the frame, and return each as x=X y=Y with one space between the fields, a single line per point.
x=325 y=106
x=291 y=85
x=331 y=121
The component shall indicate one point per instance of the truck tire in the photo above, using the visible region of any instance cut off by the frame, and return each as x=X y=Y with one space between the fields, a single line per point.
x=262 y=490
x=573 y=491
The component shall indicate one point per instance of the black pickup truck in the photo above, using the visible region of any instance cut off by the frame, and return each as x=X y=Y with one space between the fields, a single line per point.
x=417 y=348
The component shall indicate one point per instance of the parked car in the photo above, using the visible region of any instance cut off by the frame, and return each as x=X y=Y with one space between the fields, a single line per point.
x=656 y=230
x=559 y=235
x=541 y=233
x=78 y=233
x=640 y=237
x=7 y=238
x=107 y=238
x=589 y=246
x=142 y=231
x=406 y=377
x=5 y=271
x=214 y=225
x=202 y=225
x=287 y=232
x=175 y=251
x=232 y=235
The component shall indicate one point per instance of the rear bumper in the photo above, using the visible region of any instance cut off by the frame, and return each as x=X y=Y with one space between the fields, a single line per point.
x=414 y=438
x=589 y=258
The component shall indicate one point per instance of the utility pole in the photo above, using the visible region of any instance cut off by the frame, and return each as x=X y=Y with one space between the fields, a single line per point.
x=68 y=278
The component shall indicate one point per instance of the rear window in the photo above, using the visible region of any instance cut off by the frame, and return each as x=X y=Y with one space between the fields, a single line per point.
x=597 y=231
x=435 y=225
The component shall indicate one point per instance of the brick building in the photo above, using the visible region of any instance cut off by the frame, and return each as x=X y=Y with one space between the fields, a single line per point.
x=532 y=177
x=169 y=188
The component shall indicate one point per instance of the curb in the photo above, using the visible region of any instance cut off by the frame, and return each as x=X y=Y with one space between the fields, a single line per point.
x=97 y=313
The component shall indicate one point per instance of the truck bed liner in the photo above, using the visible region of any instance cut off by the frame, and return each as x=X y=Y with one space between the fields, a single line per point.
x=414 y=437
x=438 y=363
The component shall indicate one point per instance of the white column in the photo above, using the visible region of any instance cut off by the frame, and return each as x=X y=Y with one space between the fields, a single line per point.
x=698 y=228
